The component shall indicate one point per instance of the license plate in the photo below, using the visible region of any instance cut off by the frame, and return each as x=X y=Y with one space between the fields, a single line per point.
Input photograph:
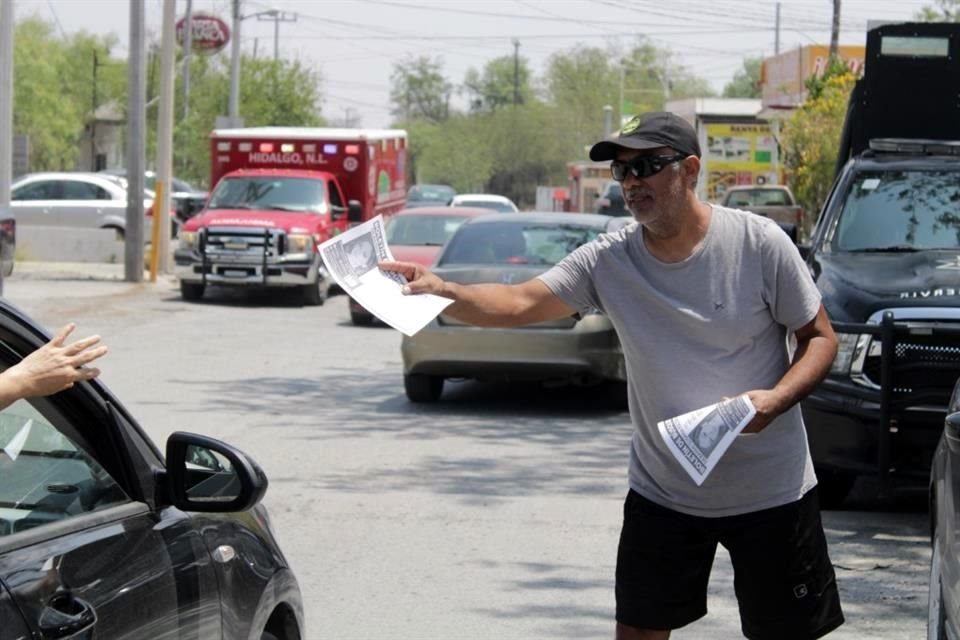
x=235 y=246
x=234 y=273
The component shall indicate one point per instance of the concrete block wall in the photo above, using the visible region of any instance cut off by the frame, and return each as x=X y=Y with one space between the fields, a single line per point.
x=67 y=244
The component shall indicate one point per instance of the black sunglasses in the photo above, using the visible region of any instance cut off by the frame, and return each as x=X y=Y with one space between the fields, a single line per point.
x=642 y=166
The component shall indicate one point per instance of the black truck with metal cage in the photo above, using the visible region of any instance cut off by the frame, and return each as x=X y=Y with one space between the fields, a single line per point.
x=885 y=254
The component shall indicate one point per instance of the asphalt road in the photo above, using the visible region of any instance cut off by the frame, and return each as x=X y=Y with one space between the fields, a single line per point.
x=493 y=514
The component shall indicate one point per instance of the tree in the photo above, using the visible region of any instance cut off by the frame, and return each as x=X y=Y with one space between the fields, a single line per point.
x=495 y=87
x=579 y=83
x=281 y=92
x=810 y=140
x=54 y=90
x=942 y=11
x=419 y=90
x=746 y=81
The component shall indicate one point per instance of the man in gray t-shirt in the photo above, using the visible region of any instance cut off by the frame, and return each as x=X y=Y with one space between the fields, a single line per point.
x=708 y=303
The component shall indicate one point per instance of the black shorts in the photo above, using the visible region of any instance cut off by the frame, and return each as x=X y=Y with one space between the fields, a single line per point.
x=783 y=577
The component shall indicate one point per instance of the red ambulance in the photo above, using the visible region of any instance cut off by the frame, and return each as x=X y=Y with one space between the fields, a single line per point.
x=281 y=191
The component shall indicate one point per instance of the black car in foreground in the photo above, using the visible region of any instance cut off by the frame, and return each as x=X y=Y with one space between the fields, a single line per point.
x=943 y=620
x=102 y=536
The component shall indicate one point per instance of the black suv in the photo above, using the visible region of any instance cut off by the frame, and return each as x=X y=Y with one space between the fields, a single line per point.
x=885 y=255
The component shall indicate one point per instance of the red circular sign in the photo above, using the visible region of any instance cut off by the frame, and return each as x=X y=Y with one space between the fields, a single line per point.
x=210 y=34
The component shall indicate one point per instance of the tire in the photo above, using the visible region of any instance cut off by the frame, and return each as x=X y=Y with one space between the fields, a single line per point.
x=361 y=319
x=833 y=487
x=422 y=388
x=191 y=292
x=936 y=613
x=266 y=635
x=312 y=295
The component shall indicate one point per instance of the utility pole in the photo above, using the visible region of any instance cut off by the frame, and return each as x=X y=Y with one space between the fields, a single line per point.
x=607 y=121
x=276 y=17
x=187 y=52
x=93 y=117
x=6 y=108
x=136 y=139
x=234 y=109
x=835 y=30
x=516 y=72
x=776 y=33
x=160 y=244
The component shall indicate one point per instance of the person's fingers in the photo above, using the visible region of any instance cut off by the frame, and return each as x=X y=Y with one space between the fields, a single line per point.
x=61 y=336
x=420 y=285
x=80 y=345
x=89 y=373
x=90 y=355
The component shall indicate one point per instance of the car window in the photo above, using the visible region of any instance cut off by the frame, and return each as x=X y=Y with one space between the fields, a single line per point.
x=422 y=231
x=42 y=190
x=515 y=243
x=335 y=200
x=47 y=476
x=431 y=193
x=900 y=209
x=77 y=190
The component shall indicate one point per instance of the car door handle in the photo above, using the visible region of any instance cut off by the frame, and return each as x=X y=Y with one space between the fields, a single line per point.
x=66 y=615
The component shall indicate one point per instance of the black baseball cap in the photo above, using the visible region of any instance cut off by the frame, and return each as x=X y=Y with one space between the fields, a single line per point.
x=649 y=131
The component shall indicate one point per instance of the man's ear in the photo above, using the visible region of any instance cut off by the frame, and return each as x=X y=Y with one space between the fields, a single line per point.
x=691 y=168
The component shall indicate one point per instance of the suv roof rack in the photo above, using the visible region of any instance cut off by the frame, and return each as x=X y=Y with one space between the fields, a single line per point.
x=916 y=146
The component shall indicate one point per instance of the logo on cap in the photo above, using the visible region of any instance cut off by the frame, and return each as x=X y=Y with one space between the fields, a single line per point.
x=632 y=125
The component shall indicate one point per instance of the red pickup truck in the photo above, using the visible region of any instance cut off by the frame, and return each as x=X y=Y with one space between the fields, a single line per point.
x=280 y=192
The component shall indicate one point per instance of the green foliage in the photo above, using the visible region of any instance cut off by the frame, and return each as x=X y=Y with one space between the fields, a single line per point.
x=746 y=81
x=53 y=90
x=419 y=90
x=836 y=68
x=494 y=88
x=810 y=140
x=942 y=11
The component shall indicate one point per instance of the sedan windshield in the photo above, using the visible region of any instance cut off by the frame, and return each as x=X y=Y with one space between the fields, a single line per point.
x=900 y=211
x=422 y=230
x=282 y=194
x=510 y=243
x=438 y=193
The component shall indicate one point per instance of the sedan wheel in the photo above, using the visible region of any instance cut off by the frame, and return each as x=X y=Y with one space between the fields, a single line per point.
x=422 y=388
x=936 y=616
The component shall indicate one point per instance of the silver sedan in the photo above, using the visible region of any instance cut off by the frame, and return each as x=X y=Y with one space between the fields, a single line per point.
x=513 y=249
x=75 y=199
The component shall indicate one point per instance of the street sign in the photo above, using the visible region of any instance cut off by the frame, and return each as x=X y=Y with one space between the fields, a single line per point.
x=210 y=34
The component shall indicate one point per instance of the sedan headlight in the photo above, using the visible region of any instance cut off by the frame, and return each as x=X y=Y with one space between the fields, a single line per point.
x=189 y=239
x=299 y=243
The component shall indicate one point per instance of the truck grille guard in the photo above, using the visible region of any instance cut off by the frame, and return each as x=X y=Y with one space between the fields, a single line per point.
x=261 y=243
x=917 y=365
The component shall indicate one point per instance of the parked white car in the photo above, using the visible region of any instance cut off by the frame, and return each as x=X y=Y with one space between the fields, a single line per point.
x=75 y=199
x=490 y=201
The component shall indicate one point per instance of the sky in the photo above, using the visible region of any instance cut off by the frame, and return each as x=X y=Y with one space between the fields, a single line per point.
x=355 y=43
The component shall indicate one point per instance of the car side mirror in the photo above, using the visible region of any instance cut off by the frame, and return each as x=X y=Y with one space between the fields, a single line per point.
x=206 y=475
x=951 y=431
x=354 y=211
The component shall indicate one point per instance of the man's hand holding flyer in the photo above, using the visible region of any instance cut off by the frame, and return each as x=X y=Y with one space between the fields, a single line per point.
x=699 y=438
x=352 y=258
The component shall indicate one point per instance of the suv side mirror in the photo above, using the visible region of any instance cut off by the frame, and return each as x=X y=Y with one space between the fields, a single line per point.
x=354 y=211
x=206 y=475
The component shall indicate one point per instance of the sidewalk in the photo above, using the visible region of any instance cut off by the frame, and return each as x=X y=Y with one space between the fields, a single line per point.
x=96 y=271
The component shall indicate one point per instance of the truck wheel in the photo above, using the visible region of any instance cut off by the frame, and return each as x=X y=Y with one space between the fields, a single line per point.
x=422 y=388
x=833 y=487
x=191 y=291
x=312 y=294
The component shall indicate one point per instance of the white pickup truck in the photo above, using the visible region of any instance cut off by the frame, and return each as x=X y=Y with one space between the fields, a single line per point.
x=774 y=201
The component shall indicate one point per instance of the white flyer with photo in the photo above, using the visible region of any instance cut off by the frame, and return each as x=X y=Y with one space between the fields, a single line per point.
x=699 y=438
x=352 y=258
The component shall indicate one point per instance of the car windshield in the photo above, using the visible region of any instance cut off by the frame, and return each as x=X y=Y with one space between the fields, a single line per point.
x=422 y=230
x=510 y=243
x=265 y=192
x=502 y=207
x=900 y=211
x=431 y=193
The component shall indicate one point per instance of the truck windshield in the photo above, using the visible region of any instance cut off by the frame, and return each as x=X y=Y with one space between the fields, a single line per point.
x=269 y=192
x=900 y=211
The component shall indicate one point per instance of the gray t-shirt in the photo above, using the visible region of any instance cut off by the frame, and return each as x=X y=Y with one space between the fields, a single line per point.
x=693 y=332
